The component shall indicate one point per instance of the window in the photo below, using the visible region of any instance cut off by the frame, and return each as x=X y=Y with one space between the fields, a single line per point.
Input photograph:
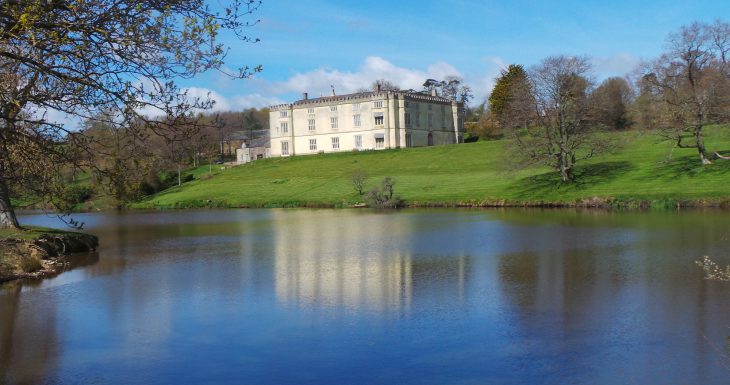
x=285 y=148
x=380 y=142
x=379 y=119
x=418 y=105
x=409 y=140
x=430 y=106
x=430 y=119
x=406 y=104
x=356 y=107
x=284 y=127
x=312 y=144
x=358 y=142
x=418 y=119
x=335 y=143
x=356 y=120
x=311 y=124
x=408 y=118
x=378 y=104
x=310 y=110
x=333 y=122
x=333 y=108
x=283 y=114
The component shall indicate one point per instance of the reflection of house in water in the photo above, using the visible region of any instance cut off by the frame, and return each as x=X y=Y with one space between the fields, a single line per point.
x=360 y=262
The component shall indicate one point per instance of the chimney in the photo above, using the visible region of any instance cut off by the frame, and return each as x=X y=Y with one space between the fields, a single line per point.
x=378 y=87
x=333 y=91
x=433 y=91
x=306 y=96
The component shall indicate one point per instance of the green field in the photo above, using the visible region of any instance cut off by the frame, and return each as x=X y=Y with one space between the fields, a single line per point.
x=643 y=171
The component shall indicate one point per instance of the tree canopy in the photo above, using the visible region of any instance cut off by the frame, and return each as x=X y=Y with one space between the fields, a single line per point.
x=504 y=88
x=82 y=58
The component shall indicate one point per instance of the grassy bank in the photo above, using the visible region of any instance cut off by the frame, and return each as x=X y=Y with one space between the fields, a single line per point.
x=36 y=252
x=645 y=171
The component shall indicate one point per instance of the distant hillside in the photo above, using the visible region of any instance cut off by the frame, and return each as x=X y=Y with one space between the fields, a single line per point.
x=645 y=171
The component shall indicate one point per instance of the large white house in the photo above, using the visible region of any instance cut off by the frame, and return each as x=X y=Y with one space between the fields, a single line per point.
x=364 y=121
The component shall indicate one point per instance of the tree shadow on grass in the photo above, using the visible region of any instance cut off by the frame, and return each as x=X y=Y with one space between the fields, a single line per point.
x=584 y=176
x=689 y=165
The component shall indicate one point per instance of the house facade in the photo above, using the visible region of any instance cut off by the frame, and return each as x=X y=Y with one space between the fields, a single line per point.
x=252 y=150
x=364 y=121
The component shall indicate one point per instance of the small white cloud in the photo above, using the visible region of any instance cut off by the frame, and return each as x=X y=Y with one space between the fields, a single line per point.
x=616 y=65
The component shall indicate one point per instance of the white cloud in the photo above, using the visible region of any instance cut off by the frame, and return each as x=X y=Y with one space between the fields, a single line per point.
x=616 y=65
x=220 y=102
x=319 y=81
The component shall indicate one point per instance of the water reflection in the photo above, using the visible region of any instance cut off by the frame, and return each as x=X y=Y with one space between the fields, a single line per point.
x=358 y=262
x=29 y=346
x=439 y=296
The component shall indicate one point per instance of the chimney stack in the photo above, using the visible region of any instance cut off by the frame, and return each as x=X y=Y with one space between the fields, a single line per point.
x=433 y=91
x=306 y=96
x=333 y=91
x=378 y=86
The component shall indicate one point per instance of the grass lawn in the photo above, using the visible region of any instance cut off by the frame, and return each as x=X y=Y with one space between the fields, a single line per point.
x=644 y=169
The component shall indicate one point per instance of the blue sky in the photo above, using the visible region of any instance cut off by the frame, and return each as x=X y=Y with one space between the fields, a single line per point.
x=306 y=46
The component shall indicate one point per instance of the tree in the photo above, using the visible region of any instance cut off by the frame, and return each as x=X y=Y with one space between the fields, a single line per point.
x=83 y=57
x=384 y=85
x=380 y=85
x=560 y=129
x=611 y=101
x=451 y=88
x=509 y=80
x=120 y=158
x=358 y=179
x=692 y=80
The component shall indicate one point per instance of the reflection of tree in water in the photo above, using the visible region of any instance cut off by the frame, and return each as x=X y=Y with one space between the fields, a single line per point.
x=441 y=279
x=518 y=274
x=28 y=340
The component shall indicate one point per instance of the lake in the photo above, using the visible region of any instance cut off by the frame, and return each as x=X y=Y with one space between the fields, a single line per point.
x=362 y=297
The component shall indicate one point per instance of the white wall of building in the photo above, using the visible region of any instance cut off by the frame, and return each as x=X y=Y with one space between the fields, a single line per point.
x=380 y=119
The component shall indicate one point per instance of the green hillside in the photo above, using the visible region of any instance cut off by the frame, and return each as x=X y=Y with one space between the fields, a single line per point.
x=645 y=170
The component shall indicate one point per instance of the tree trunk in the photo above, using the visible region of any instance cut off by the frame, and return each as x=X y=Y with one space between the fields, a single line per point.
x=701 y=145
x=7 y=213
x=179 y=178
x=566 y=169
x=565 y=174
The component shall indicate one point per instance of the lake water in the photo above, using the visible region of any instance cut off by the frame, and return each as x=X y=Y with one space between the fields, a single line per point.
x=362 y=297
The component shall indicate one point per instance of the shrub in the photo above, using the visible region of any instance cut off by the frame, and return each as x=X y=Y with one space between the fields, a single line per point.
x=78 y=194
x=30 y=264
x=383 y=197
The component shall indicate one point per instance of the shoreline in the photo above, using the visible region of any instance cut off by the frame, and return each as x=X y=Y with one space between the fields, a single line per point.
x=589 y=203
x=35 y=253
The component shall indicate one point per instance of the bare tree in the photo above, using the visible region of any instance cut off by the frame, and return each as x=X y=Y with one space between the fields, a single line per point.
x=559 y=129
x=692 y=80
x=358 y=179
x=80 y=58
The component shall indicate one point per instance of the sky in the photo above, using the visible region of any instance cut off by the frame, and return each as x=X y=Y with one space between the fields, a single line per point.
x=309 y=46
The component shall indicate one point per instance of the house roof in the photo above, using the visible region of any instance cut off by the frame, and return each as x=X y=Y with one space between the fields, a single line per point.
x=403 y=94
